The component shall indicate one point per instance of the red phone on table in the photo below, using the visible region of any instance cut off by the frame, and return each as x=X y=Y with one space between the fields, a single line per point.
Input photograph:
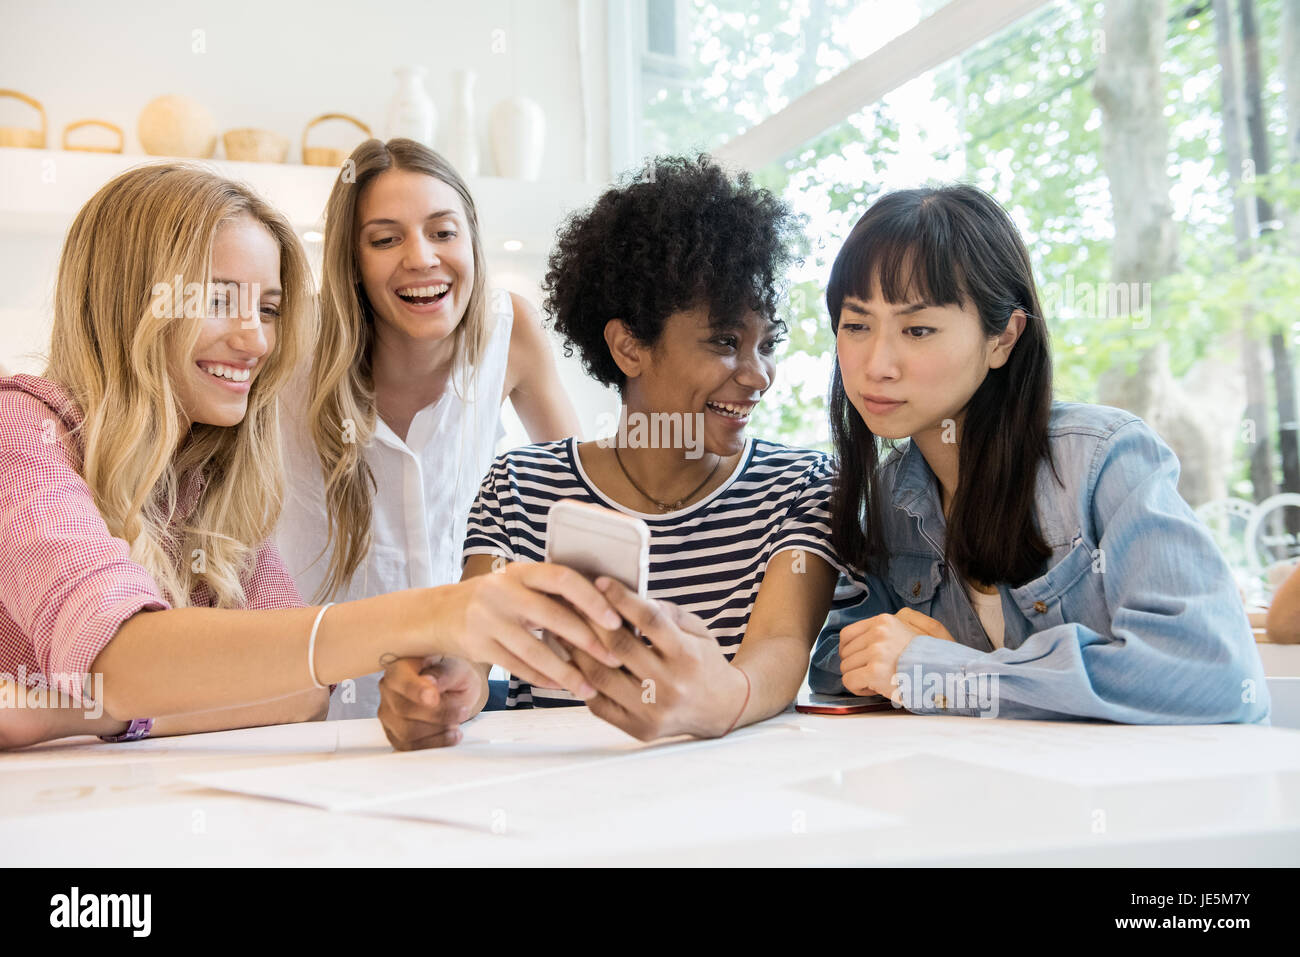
x=842 y=703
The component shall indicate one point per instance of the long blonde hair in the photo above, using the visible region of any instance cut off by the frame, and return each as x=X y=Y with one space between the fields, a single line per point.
x=341 y=397
x=110 y=349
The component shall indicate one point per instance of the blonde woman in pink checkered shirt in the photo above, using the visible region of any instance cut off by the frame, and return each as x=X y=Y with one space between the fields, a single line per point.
x=140 y=478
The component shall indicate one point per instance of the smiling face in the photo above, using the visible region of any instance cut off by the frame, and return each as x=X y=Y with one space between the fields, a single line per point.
x=697 y=368
x=238 y=327
x=908 y=367
x=415 y=254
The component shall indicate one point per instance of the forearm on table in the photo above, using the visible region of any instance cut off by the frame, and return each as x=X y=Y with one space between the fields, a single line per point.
x=485 y=691
x=25 y=724
x=476 y=565
x=310 y=705
x=236 y=658
x=789 y=611
x=50 y=724
x=775 y=666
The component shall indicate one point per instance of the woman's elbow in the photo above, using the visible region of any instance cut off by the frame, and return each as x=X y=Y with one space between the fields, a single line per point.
x=316 y=705
x=1252 y=709
x=119 y=699
x=1249 y=702
x=313 y=705
x=1282 y=624
x=1238 y=694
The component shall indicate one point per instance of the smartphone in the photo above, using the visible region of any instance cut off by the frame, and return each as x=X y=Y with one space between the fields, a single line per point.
x=597 y=541
x=842 y=704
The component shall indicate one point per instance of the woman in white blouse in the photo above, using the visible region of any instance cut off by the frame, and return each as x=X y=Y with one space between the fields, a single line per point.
x=396 y=422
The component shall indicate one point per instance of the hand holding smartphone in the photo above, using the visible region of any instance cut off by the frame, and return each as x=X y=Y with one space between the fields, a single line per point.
x=597 y=541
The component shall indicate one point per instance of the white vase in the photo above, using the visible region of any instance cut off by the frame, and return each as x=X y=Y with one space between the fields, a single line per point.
x=518 y=128
x=411 y=113
x=462 y=137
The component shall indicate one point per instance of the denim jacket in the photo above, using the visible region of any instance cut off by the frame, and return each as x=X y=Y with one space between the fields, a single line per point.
x=1136 y=617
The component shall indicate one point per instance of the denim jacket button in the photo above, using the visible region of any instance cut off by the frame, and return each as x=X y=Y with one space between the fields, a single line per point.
x=916 y=589
x=1040 y=606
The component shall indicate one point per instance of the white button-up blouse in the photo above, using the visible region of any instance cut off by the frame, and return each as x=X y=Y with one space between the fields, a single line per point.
x=425 y=487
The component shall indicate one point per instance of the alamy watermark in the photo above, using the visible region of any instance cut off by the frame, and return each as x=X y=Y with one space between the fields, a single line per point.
x=35 y=691
x=1097 y=300
x=74 y=909
x=198 y=300
x=655 y=430
x=943 y=691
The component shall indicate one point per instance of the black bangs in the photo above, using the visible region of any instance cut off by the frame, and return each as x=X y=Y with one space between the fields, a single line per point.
x=943 y=246
x=905 y=245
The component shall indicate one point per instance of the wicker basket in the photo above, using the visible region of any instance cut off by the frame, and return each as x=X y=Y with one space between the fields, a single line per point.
x=89 y=148
x=20 y=136
x=255 y=146
x=328 y=155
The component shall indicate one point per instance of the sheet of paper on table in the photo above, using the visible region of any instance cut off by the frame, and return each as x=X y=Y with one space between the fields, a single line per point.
x=564 y=768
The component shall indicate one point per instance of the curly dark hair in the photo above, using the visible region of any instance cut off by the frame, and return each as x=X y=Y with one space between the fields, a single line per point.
x=677 y=234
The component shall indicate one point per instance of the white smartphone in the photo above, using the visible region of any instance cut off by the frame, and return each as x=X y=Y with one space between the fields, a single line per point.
x=597 y=541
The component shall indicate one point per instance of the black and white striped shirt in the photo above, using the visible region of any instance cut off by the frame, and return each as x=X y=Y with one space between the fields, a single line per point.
x=708 y=557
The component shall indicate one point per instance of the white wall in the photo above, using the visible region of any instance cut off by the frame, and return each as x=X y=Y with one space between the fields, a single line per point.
x=28 y=264
x=275 y=65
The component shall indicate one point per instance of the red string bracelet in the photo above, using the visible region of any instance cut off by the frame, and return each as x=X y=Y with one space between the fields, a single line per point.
x=743 y=705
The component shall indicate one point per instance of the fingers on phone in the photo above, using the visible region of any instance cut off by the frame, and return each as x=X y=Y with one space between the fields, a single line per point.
x=647 y=615
x=532 y=661
x=608 y=682
x=690 y=622
x=559 y=580
x=566 y=623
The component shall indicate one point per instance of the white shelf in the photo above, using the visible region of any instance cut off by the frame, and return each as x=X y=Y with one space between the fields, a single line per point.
x=42 y=190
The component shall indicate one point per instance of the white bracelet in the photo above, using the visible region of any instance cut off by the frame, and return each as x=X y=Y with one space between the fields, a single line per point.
x=311 y=644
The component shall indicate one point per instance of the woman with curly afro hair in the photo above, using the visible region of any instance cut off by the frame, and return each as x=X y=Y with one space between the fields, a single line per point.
x=667 y=289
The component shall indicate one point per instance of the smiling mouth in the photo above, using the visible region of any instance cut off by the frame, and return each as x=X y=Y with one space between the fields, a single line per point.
x=229 y=373
x=424 y=295
x=731 y=410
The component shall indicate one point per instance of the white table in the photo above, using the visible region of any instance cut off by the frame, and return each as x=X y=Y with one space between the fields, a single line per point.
x=561 y=786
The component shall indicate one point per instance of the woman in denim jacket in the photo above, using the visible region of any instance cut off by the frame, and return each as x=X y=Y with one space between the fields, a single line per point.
x=1048 y=537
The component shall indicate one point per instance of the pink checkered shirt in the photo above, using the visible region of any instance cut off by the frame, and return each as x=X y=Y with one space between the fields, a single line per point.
x=66 y=584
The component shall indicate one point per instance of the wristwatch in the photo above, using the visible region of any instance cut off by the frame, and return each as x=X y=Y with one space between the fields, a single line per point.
x=137 y=729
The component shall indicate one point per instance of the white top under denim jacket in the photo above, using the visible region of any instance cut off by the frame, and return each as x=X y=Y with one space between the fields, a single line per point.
x=425 y=486
x=1135 y=619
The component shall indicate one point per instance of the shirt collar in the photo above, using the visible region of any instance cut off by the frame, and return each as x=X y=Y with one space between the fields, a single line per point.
x=912 y=477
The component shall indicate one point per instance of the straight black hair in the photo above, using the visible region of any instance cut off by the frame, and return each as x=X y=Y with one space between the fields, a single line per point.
x=951 y=245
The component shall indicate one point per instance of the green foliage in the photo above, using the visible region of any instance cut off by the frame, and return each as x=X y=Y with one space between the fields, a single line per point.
x=1031 y=135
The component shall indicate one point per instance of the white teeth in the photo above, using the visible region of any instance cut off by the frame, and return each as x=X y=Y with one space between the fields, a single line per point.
x=423 y=292
x=732 y=411
x=227 y=372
